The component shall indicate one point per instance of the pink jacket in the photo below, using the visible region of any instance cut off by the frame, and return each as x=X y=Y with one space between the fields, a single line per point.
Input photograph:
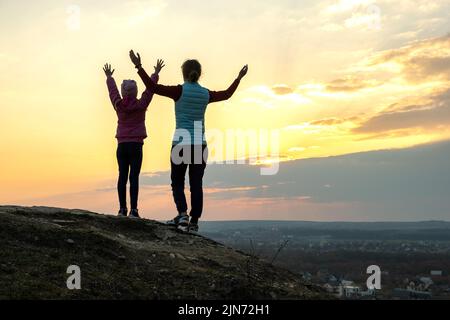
x=130 y=113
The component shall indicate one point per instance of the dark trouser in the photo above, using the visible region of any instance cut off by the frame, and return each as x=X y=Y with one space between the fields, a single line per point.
x=196 y=171
x=129 y=158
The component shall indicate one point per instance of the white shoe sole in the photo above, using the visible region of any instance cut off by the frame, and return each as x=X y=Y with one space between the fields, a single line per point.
x=183 y=228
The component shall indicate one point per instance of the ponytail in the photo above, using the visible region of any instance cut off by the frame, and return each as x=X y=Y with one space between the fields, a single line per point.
x=192 y=70
x=193 y=76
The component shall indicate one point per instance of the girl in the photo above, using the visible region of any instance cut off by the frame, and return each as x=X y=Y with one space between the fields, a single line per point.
x=130 y=135
x=191 y=100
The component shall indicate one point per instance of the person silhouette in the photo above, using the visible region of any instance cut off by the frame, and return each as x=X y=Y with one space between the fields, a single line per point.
x=130 y=134
x=191 y=101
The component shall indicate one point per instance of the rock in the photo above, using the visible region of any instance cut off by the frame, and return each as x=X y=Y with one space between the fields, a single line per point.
x=139 y=268
x=180 y=256
x=63 y=221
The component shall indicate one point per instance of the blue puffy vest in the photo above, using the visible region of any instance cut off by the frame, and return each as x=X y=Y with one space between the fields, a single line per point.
x=190 y=115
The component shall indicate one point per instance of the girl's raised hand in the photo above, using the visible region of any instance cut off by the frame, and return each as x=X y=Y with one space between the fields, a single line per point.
x=243 y=72
x=159 y=65
x=136 y=59
x=107 y=70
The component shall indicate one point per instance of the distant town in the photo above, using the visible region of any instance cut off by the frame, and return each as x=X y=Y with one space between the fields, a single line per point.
x=414 y=257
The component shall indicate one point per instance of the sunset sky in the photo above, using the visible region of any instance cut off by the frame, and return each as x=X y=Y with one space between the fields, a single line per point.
x=333 y=77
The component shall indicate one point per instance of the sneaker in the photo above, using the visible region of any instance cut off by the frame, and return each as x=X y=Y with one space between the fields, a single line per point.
x=193 y=227
x=183 y=222
x=122 y=212
x=134 y=213
x=180 y=220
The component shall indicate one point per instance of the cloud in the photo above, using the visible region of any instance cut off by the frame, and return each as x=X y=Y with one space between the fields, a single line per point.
x=401 y=184
x=300 y=150
x=419 y=61
x=296 y=149
x=322 y=125
x=270 y=97
x=361 y=15
x=344 y=6
x=370 y=19
x=350 y=84
x=282 y=89
x=305 y=128
x=407 y=86
x=426 y=117
x=393 y=185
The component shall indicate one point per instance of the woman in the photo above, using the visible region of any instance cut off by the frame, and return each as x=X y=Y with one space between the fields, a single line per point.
x=191 y=100
x=130 y=135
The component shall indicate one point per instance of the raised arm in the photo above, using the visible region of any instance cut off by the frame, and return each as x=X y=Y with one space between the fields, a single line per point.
x=114 y=94
x=216 y=96
x=147 y=95
x=173 y=92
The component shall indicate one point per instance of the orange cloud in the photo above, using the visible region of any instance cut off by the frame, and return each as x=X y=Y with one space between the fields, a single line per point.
x=282 y=89
x=426 y=117
x=420 y=61
x=351 y=84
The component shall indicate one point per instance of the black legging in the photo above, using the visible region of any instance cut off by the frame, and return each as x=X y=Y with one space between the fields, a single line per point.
x=129 y=158
x=196 y=171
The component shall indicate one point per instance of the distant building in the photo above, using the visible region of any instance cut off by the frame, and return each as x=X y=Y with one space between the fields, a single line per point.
x=322 y=275
x=306 y=276
x=349 y=291
x=409 y=294
x=367 y=293
x=332 y=279
x=334 y=290
x=426 y=281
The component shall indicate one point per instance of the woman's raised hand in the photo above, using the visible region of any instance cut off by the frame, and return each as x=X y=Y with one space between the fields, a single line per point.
x=107 y=70
x=243 y=72
x=136 y=59
x=159 y=65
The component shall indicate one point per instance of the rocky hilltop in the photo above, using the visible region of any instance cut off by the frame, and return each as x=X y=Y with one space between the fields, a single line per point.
x=123 y=258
